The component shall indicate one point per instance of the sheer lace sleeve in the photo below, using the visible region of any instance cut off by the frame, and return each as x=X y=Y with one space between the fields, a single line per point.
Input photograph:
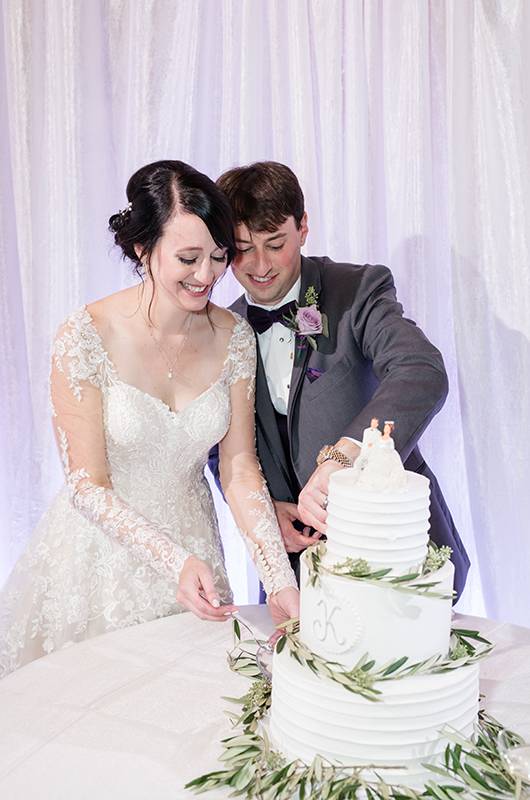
x=80 y=368
x=243 y=484
x=241 y=360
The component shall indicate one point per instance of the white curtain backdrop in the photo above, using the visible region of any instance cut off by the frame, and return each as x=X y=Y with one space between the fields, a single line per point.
x=408 y=124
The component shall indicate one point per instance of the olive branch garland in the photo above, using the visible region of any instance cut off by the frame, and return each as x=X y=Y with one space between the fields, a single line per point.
x=358 y=569
x=466 y=647
x=253 y=769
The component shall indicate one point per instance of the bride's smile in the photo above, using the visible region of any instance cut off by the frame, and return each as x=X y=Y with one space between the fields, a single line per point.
x=185 y=264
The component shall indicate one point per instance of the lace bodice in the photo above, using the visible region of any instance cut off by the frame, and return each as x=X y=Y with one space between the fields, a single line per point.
x=134 y=467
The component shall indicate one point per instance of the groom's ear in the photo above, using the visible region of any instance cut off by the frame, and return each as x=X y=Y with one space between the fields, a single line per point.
x=303 y=229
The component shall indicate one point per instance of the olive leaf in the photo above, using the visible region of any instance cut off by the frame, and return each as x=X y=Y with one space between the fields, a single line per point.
x=359 y=569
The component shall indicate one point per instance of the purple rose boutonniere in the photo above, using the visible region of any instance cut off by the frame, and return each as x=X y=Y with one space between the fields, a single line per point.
x=308 y=321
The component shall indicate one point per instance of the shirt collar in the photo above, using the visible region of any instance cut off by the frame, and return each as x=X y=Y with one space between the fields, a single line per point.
x=292 y=294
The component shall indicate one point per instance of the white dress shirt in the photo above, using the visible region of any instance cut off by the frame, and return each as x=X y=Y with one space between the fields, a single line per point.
x=277 y=348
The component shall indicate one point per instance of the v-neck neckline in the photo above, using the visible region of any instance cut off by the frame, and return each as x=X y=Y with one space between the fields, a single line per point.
x=116 y=376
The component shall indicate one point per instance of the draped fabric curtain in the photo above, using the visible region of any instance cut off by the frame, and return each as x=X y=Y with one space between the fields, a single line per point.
x=407 y=122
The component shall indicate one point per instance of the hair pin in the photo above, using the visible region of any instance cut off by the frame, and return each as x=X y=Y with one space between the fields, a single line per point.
x=125 y=210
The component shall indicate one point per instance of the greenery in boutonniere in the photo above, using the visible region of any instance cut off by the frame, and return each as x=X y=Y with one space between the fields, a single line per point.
x=471 y=769
x=308 y=321
x=358 y=569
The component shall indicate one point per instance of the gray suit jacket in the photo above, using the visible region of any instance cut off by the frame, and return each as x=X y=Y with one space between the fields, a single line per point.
x=374 y=363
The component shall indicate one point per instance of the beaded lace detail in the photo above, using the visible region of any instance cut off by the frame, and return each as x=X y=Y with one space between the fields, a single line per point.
x=265 y=547
x=80 y=360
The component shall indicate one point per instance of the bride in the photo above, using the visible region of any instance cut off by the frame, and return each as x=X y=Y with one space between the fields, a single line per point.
x=143 y=383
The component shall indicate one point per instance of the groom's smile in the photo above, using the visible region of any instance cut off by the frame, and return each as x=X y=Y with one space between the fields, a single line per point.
x=267 y=263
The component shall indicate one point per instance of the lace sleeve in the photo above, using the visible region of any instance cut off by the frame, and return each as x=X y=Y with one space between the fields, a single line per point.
x=243 y=484
x=241 y=361
x=80 y=368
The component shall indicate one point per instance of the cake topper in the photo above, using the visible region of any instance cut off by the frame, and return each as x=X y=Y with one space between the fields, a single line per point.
x=379 y=466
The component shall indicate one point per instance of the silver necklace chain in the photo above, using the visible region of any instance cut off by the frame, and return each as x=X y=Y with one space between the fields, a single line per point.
x=170 y=363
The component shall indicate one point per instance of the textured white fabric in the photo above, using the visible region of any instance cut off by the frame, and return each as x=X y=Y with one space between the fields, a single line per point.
x=136 y=713
x=109 y=551
x=407 y=123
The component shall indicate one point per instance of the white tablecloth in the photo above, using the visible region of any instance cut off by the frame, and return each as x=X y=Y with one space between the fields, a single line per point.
x=133 y=715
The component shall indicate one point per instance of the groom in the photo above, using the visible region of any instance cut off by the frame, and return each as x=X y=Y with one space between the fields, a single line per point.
x=354 y=358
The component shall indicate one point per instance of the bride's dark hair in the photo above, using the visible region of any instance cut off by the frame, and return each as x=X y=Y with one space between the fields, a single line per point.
x=154 y=192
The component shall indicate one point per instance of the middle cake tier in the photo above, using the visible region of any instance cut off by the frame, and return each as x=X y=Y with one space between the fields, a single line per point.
x=342 y=619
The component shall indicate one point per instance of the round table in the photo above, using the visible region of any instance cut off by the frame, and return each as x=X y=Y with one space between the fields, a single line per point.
x=134 y=714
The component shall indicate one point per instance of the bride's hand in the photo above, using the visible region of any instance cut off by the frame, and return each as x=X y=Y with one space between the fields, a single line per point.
x=196 y=591
x=284 y=605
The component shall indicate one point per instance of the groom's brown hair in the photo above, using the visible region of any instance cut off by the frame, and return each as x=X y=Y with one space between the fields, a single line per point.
x=263 y=195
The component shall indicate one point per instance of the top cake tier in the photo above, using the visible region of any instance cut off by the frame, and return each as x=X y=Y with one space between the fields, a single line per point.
x=389 y=529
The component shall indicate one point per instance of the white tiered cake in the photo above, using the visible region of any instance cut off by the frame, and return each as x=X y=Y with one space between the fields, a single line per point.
x=342 y=619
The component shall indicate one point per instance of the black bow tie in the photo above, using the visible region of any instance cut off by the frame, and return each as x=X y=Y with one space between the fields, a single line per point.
x=261 y=319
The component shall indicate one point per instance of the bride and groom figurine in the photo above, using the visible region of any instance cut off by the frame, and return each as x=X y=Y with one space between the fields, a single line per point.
x=379 y=466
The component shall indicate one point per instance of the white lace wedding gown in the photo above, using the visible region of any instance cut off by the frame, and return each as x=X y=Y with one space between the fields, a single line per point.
x=109 y=550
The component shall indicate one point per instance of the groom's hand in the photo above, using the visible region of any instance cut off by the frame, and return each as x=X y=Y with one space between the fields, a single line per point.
x=294 y=540
x=313 y=497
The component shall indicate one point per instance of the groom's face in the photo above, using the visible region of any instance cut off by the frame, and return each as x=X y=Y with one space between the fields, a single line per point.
x=268 y=264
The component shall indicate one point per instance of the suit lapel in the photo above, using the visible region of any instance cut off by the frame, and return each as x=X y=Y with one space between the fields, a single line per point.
x=310 y=276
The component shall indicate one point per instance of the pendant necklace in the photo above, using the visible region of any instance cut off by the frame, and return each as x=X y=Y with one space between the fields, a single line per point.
x=170 y=363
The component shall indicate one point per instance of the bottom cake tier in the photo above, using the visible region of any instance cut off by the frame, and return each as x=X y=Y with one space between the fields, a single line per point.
x=396 y=735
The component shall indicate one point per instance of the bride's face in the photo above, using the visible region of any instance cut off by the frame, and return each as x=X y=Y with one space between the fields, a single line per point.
x=186 y=262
